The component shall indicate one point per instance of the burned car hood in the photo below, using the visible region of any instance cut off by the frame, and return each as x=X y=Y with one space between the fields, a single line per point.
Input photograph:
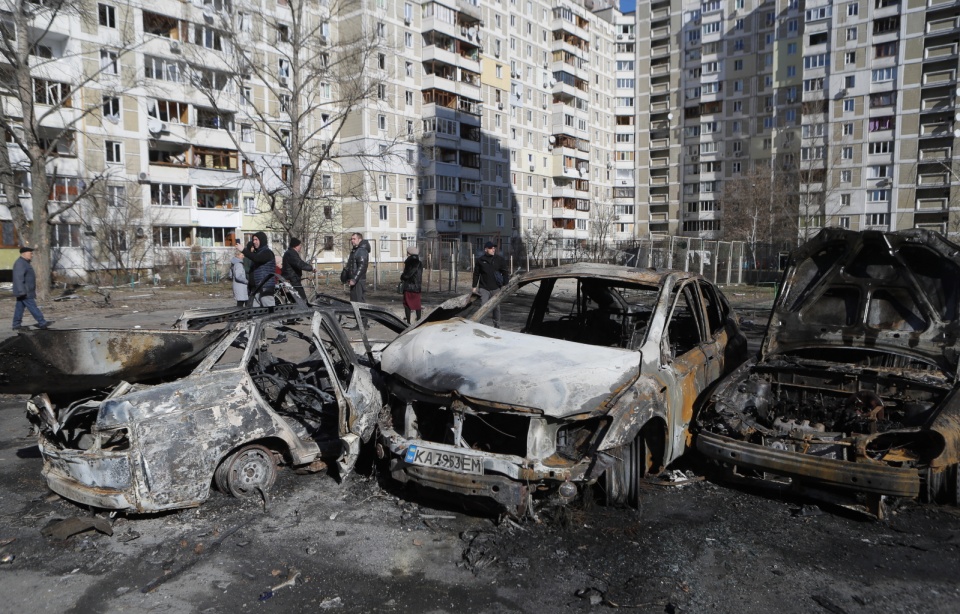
x=487 y=364
x=892 y=292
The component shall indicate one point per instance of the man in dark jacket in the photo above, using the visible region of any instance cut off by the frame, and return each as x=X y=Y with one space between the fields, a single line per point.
x=25 y=290
x=357 y=266
x=294 y=266
x=490 y=273
x=263 y=272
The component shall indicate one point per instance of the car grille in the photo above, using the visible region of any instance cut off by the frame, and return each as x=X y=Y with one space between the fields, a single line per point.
x=488 y=431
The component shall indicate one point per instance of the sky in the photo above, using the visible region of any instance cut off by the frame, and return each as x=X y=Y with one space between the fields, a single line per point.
x=627 y=6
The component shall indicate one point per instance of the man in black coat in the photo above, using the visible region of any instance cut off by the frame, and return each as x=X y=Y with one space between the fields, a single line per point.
x=25 y=290
x=357 y=267
x=263 y=273
x=294 y=266
x=490 y=273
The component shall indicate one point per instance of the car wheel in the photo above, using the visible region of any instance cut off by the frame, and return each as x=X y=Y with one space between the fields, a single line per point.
x=246 y=471
x=632 y=463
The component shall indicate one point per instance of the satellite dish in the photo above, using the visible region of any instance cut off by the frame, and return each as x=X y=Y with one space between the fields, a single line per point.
x=670 y=116
x=552 y=139
x=154 y=125
x=956 y=134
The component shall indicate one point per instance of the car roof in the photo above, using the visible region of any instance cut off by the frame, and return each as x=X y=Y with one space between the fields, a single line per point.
x=608 y=271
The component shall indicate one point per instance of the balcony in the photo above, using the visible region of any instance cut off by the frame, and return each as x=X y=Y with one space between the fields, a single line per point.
x=931 y=204
x=939 y=77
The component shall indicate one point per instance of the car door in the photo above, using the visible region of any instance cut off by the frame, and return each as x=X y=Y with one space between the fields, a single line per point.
x=716 y=335
x=684 y=363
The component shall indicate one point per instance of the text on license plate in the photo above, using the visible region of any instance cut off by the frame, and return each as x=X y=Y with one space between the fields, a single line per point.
x=444 y=460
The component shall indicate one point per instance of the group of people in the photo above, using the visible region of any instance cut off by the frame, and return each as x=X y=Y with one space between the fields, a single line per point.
x=255 y=271
x=254 y=282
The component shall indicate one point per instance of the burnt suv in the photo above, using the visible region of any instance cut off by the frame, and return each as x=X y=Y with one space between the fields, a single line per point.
x=593 y=377
x=853 y=395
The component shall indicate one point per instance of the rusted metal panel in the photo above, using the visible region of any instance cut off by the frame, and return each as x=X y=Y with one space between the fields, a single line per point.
x=873 y=478
x=57 y=361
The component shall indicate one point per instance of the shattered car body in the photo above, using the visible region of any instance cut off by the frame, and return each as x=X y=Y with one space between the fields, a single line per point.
x=284 y=387
x=853 y=396
x=594 y=374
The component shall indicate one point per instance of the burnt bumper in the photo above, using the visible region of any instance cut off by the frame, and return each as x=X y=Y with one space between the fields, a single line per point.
x=503 y=490
x=104 y=480
x=825 y=472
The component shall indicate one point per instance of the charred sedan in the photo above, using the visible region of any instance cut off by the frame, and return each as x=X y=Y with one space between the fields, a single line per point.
x=287 y=387
x=853 y=395
x=594 y=374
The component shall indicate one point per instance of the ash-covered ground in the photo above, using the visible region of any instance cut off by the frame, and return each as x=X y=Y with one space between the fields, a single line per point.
x=365 y=545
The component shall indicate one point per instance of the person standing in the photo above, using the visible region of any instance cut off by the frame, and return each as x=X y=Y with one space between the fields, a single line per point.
x=412 y=278
x=263 y=270
x=357 y=266
x=25 y=290
x=294 y=266
x=239 y=277
x=489 y=275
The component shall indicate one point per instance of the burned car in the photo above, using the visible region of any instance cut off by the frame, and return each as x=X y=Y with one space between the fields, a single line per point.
x=853 y=396
x=594 y=375
x=280 y=385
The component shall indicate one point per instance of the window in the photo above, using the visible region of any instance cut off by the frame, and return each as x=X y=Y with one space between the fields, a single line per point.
x=882 y=123
x=844 y=200
x=791 y=48
x=881 y=147
x=738 y=64
x=113 y=152
x=107 y=15
x=64 y=189
x=848 y=105
x=246 y=133
x=381 y=91
x=848 y=129
x=850 y=58
x=111 y=108
x=851 y=34
x=283 y=33
x=172 y=236
x=382 y=122
x=877 y=219
x=248 y=205
x=885 y=50
x=210 y=38
x=65 y=235
x=409 y=68
x=51 y=92
x=108 y=62
x=382 y=61
x=853 y=9
x=883 y=74
x=850 y=81
x=169 y=195
x=846 y=153
x=815 y=61
x=161 y=68
x=845 y=176
x=116 y=195
x=878 y=171
x=383 y=213
x=878 y=196
x=283 y=68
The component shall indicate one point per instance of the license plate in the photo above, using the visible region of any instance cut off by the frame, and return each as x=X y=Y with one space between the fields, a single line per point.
x=451 y=461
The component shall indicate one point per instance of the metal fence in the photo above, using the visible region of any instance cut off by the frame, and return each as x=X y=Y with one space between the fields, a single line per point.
x=448 y=264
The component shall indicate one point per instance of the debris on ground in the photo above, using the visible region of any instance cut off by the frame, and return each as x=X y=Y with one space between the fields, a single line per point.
x=60 y=528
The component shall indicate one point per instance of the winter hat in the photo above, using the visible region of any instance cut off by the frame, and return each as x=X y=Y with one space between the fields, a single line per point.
x=295 y=243
x=489 y=244
x=26 y=248
x=413 y=251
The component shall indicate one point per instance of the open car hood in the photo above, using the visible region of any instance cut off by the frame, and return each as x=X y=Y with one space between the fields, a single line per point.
x=896 y=292
x=476 y=361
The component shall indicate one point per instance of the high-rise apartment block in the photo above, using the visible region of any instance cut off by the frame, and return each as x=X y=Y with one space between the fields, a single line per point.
x=183 y=124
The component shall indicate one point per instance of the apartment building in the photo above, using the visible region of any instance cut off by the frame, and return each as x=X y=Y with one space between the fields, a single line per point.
x=474 y=120
x=849 y=107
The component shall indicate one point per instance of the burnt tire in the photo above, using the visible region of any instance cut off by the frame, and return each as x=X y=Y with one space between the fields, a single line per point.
x=633 y=462
x=246 y=472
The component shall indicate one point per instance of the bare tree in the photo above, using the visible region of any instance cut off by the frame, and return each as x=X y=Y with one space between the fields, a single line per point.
x=300 y=83
x=603 y=217
x=118 y=228
x=44 y=81
x=760 y=207
x=535 y=242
